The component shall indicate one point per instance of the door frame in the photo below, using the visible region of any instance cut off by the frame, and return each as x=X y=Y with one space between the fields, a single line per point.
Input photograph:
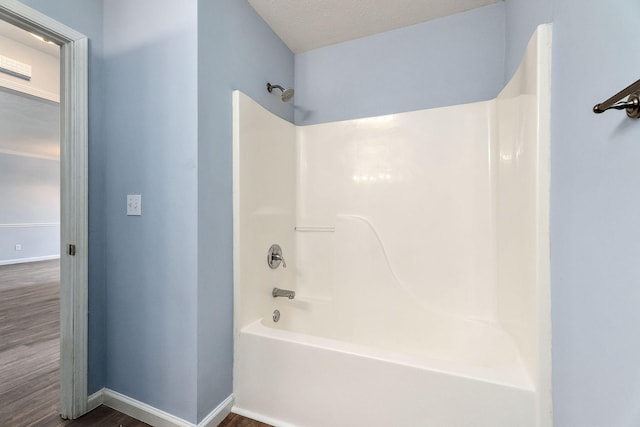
x=73 y=198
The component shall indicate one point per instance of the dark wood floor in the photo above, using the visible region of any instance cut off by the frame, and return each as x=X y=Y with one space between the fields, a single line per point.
x=30 y=354
x=234 y=420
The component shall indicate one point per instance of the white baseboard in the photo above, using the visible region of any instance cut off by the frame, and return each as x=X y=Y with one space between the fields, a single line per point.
x=141 y=411
x=261 y=418
x=95 y=400
x=217 y=415
x=153 y=416
x=25 y=260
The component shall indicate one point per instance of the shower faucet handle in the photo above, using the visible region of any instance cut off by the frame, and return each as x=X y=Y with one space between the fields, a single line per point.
x=274 y=257
x=277 y=257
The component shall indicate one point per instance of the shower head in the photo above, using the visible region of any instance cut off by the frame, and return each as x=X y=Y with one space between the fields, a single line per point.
x=287 y=94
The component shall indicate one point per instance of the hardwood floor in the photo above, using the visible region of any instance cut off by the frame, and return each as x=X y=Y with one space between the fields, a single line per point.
x=234 y=420
x=30 y=350
x=30 y=354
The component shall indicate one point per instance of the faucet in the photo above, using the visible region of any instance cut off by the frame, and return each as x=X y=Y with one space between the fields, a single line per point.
x=278 y=257
x=283 y=293
x=275 y=258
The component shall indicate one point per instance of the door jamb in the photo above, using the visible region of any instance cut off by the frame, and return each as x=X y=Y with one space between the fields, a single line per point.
x=73 y=198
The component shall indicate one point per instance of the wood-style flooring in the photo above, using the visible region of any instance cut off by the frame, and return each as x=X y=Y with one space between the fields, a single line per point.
x=30 y=354
x=234 y=420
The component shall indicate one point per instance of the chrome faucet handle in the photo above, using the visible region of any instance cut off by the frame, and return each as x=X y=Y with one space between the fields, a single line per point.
x=274 y=257
x=278 y=257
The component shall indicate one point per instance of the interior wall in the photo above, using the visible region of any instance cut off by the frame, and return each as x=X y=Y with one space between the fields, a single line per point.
x=447 y=61
x=236 y=50
x=85 y=16
x=151 y=125
x=252 y=55
x=594 y=227
x=30 y=208
x=29 y=178
x=594 y=217
x=522 y=18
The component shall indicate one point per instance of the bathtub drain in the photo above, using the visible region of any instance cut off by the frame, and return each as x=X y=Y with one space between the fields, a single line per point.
x=276 y=315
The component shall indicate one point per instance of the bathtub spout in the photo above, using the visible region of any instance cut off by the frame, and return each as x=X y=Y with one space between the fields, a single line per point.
x=283 y=293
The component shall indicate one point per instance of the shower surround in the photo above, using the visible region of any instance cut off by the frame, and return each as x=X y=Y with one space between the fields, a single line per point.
x=417 y=246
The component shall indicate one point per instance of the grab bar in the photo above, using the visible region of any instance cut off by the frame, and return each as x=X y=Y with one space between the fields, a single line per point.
x=632 y=104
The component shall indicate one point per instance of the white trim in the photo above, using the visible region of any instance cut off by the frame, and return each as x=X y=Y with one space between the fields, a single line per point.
x=73 y=198
x=26 y=260
x=156 y=417
x=218 y=414
x=258 y=417
x=95 y=400
x=235 y=185
x=141 y=411
x=22 y=88
x=31 y=225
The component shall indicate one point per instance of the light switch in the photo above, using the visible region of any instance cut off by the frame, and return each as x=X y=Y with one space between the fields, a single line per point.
x=134 y=204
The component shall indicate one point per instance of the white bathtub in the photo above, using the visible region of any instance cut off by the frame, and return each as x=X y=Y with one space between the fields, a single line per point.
x=372 y=353
x=417 y=245
x=289 y=378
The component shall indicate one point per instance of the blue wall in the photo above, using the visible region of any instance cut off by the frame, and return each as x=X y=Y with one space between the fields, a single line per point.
x=149 y=338
x=522 y=18
x=594 y=217
x=237 y=50
x=85 y=16
x=151 y=125
x=594 y=212
x=161 y=314
x=452 y=60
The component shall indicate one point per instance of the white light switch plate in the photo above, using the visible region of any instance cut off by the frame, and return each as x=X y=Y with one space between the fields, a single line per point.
x=134 y=204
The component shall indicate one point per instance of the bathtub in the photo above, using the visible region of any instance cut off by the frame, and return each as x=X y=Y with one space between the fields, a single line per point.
x=372 y=353
x=291 y=377
x=417 y=245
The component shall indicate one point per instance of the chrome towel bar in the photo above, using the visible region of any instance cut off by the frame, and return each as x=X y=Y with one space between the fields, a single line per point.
x=632 y=104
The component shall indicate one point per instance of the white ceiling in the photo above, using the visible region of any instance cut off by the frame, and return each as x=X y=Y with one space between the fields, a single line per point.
x=309 y=24
x=21 y=36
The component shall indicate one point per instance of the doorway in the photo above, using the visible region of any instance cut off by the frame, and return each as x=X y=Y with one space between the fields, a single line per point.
x=29 y=227
x=73 y=198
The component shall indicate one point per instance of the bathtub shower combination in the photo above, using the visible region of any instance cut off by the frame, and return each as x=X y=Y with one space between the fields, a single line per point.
x=416 y=287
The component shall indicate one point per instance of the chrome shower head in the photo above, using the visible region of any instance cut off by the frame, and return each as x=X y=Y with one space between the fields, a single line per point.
x=287 y=94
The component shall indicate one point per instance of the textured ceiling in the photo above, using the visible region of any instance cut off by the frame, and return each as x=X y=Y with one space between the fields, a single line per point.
x=309 y=24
